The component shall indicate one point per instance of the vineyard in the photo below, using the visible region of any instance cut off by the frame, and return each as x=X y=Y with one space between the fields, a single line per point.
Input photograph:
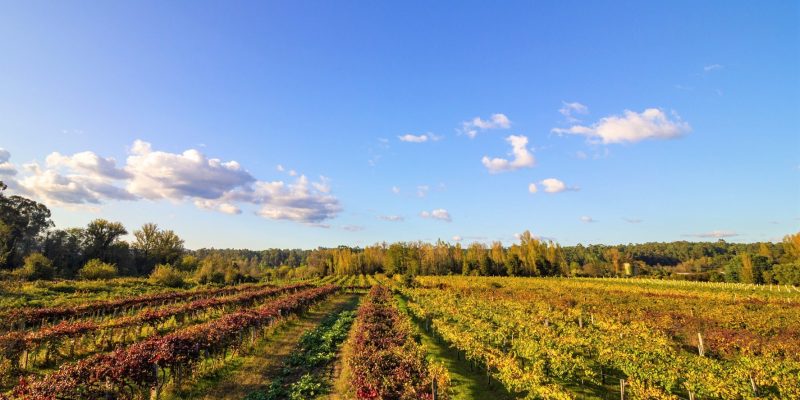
x=133 y=347
x=537 y=338
x=572 y=338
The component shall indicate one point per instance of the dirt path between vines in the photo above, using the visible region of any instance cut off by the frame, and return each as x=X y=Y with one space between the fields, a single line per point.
x=255 y=371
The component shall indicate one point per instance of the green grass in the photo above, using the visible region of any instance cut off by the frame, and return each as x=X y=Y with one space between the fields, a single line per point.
x=254 y=370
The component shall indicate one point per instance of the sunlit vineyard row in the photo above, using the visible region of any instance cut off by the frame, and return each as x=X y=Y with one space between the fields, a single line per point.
x=385 y=362
x=142 y=350
x=568 y=338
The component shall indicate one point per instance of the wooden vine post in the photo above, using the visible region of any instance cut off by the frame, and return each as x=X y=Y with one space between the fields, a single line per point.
x=700 y=348
x=622 y=389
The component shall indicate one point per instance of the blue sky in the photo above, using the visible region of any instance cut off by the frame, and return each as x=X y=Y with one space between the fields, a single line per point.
x=642 y=122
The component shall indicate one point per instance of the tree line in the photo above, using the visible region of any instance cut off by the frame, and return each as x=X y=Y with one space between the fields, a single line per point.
x=32 y=248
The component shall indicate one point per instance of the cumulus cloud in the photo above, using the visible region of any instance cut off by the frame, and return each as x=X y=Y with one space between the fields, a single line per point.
x=300 y=201
x=87 y=163
x=568 y=110
x=6 y=167
x=473 y=126
x=221 y=206
x=425 y=137
x=522 y=157
x=439 y=213
x=631 y=127
x=587 y=219
x=718 y=234
x=392 y=218
x=457 y=238
x=162 y=175
x=53 y=187
x=553 y=185
x=532 y=188
x=209 y=183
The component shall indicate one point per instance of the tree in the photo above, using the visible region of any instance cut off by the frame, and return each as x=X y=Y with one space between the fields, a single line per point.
x=787 y=274
x=6 y=244
x=529 y=252
x=791 y=247
x=99 y=236
x=157 y=246
x=498 y=257
x=747 y=274
x=24 y=220
x=64 y=248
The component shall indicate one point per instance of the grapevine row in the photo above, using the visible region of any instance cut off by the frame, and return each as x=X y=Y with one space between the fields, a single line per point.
x=25 y=317
x=146 y=366
x=541 y=349
x=385 y=362
x=13 y=345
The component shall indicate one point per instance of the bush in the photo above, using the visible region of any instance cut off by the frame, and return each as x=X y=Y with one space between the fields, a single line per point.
x=36 y=267
x=787 y=274
x=96 y=269
x=207 y=274
x=167 y=275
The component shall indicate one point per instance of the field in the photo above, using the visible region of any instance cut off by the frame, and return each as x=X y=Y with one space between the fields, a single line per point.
x=374 y=337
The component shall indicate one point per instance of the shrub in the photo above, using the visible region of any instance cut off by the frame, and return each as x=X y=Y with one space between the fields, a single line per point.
x=207 y=274
x=96 y=269
x=36 y=267
x=167 y=275
x=787 y=274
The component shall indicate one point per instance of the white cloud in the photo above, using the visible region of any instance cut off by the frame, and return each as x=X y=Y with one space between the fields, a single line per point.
x=587 y=219
x=300 y=201
x=632 y=127
x=6 y=167
x=419 y=138
x=532 y=188
x=395 y=190
x=422 y=190
x=718 y=234
x=457 y=238
x=89 y=163
x=392 y=218
x=353 y=228
x=439 y=213
x=496 y=121
x=569 y=110
x=522 y=157
x=712 y=67
x=52 y=187
x=162 y=175
x=223 y=207
x=553 y=185
x=632 y=220
x=279 y=168
x=323 y=186
x=208 y=182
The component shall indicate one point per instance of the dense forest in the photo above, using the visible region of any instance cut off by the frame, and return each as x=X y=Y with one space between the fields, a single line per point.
x=31 y=247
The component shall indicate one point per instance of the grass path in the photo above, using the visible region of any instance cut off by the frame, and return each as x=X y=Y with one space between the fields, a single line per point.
x=245 y=374
x=465 y=383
